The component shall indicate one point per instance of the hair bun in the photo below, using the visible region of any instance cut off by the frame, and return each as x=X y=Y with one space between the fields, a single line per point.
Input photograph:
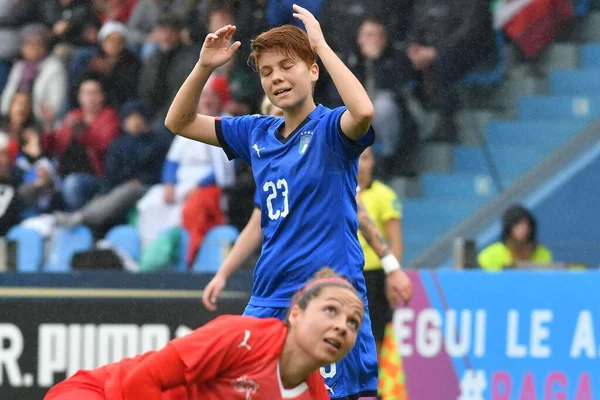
x=326 y=272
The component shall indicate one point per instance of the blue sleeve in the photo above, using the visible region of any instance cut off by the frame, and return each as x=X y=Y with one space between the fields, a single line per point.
x=340 y=143
x=209 y=179
x=278 y=11
x=169 y=172
x=234 y=133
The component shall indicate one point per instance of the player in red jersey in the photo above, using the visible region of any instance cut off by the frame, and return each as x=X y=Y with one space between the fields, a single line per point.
x=238 y=357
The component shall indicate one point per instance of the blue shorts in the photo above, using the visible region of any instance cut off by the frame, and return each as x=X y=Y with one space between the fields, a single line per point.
x=356 y=375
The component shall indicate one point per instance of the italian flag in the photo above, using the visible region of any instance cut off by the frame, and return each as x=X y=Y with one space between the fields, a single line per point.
x=531 y=24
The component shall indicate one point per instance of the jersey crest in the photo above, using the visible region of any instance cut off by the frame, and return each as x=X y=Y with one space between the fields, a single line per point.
x=305 y=138
x=245 y=385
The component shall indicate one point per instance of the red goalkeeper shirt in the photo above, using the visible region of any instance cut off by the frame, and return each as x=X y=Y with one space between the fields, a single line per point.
x=232 y=357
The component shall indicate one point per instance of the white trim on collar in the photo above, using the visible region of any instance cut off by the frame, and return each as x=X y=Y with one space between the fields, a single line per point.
x=290 y=393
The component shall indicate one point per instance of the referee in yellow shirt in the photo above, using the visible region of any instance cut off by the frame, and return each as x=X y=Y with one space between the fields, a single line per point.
x=383 y=206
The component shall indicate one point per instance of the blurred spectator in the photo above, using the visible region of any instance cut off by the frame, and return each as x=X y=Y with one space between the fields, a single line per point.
x=382 y=205
x=72 y=23
x=340 y=18
x=164 y=73
x=189 y=164
x=375 y=65
x=517 y=244
x=244 y=83
x=113 y=10
x=194 y=30
x=217 y=17
x=133 y=164
x=41 y=75
x=20 y=115
x=250 y=20
x=13 y=15
x=144 y=21
x=447 y=38
x=10 y=204
x=82 y=141
x=202 y=211
x=111 y=59
x=39 y=181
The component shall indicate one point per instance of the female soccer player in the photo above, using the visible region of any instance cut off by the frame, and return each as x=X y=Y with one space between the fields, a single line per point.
x=305 y=167
x=238 y=357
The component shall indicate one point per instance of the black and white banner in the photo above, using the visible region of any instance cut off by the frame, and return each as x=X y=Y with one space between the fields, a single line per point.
x=42 y=341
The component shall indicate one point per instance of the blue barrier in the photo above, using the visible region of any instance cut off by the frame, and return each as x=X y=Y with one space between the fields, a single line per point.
x=511 y=335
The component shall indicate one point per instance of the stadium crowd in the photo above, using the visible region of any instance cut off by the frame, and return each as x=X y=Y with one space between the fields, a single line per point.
x=86 y=85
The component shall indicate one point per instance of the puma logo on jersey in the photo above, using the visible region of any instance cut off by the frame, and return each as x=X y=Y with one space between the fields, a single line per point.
x=330 y=388
x=244 y=343
x=255 y=147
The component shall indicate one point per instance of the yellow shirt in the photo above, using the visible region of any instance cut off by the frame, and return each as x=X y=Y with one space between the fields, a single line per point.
x=382 y=205
x=496 y=256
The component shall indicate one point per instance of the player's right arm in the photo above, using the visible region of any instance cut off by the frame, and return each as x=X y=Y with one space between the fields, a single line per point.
x=182 y=118
x=247 y=243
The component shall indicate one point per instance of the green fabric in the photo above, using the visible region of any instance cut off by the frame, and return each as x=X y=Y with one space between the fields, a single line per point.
x=132 y=216
x=162 y=253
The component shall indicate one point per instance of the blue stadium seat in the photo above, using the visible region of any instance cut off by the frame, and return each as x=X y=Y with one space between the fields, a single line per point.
x=541 y=134
x=214 y=248
x=589 y=55
x=510 y=161
x=444 y=185
x=559 y=107
x=127 y=239
x=446 y=212
x=30 y=248
x=66 y=243
x=584 y=82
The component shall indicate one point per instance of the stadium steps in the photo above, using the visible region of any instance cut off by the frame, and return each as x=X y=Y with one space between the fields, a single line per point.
x=540 y=116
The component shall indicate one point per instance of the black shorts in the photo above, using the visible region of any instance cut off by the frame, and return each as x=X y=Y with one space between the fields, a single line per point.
x=379 y=309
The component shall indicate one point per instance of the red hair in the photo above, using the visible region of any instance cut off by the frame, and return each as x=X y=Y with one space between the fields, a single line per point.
x=287 y=39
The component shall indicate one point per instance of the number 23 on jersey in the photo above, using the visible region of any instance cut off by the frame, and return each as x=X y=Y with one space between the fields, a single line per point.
x=277 y=198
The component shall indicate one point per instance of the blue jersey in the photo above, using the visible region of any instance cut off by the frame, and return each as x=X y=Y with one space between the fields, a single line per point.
x=306 y=185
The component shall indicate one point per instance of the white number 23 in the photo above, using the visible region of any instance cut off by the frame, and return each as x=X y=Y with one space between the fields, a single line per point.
x=277 y=189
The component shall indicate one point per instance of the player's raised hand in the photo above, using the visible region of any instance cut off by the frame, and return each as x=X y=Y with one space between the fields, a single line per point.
x=212 y=291
x=216 y=50
x=398 y=286
x=313 y=28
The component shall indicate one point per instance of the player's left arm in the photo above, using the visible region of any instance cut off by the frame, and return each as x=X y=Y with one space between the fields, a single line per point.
x=355 y=121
